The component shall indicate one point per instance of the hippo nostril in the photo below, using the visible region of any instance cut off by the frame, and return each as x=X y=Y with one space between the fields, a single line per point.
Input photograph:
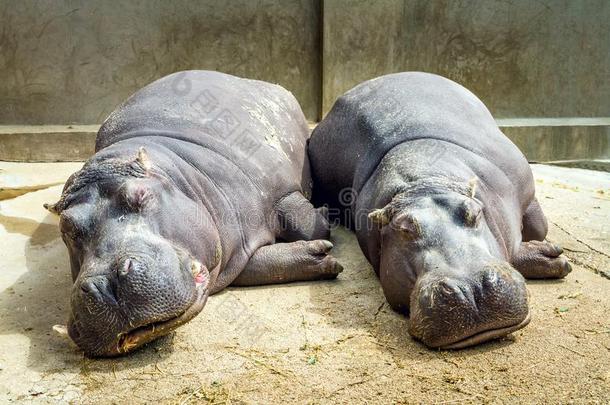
x=99 y=288
x=445 y=287
x=491 y=277
x=457 y=294
x=89 y=288
x=501 y=279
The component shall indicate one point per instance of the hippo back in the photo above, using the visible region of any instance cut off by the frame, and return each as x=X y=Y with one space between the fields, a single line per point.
x=253 y=124
x=379 y=114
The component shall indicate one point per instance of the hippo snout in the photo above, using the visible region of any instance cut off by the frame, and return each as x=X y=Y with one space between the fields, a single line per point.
x=120 y=304
x=458 y=310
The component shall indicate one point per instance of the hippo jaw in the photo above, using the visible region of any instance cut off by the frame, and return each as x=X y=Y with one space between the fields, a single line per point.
x=485 y=336
x=135 y=338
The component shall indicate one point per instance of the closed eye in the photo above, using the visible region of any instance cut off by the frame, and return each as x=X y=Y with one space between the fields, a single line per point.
x=69 y=228
x=75 y=221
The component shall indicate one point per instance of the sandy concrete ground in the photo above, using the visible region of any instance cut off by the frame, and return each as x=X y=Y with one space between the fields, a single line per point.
x=321 y=342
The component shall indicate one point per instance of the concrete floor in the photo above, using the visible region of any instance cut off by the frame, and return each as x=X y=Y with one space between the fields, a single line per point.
x=322 y=342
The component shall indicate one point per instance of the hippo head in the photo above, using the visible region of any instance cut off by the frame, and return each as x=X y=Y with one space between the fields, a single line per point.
x=440 y=263
x=134 y=280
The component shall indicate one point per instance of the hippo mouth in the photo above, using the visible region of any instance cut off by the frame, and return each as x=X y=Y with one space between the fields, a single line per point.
x=128 y=341
x=486 y=335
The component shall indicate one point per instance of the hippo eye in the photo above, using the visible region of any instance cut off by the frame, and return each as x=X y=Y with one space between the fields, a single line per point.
x=75 y=221
x=70 y=228
x=135 y=196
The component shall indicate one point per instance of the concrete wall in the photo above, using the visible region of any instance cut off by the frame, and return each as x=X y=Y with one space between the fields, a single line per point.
x=74 y=61
x=68 y=62
x=523 y=58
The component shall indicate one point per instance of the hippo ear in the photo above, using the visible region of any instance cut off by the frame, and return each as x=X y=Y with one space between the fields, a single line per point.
x=143 y=159
x=52 y=208
x=473 y=186
x=380 y=216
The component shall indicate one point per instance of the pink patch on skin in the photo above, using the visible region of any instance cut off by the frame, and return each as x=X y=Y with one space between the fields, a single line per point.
x=200 y=278
x=127 y=265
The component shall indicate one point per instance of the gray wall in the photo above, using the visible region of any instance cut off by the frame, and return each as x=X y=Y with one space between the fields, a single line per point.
x=65 y=61
x=73 y=61
x=523 y=58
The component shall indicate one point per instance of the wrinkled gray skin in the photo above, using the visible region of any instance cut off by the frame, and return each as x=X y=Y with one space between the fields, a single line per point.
x=195 y=178
x=443 y=205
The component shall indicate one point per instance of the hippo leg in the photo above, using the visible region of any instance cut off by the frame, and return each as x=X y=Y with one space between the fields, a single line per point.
x=299 y=220
x=535 y=226
x=541 y=259
x=536 y=257
x=287 y=262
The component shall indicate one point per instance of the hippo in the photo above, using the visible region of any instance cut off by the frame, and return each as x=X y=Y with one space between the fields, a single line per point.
x=442 y=204
x=200 y=180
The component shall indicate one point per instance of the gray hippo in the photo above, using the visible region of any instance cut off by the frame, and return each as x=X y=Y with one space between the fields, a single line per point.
x=194 y=180
x=442 y=204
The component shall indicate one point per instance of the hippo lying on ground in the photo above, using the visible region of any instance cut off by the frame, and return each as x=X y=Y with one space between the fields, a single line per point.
x=194 y=179
x=442 y=204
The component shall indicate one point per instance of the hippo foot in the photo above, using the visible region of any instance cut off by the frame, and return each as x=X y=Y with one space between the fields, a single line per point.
x=541 y=259
x=288 y=262
x=315 y=260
